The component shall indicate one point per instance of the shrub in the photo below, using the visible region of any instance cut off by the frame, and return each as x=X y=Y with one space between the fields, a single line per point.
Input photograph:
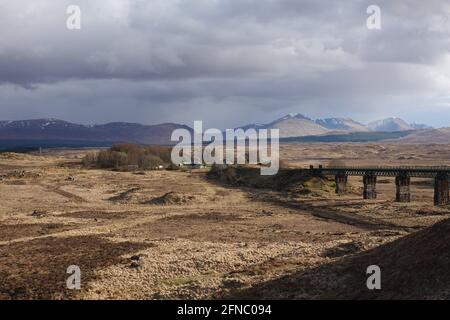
x=90 y=160
x=149 y=162
x=129 y=156
x=112 y=159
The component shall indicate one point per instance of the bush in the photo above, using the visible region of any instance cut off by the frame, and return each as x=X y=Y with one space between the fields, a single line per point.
x=112 y=159
x=149 y=162
x=129 y=156
x=90 y=160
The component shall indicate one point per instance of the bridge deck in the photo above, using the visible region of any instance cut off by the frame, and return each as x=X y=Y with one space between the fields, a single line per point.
x=410 y=171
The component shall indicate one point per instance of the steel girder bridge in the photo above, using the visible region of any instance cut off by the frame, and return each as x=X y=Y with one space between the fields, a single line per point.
x=402 y=174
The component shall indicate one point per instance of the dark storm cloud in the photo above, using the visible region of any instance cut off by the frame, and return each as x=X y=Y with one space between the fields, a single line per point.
x=226 y=62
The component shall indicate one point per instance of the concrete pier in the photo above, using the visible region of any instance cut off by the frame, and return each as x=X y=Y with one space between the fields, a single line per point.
x=441 y=194
x=403 y=193
x=370 y=186
x=341 y=183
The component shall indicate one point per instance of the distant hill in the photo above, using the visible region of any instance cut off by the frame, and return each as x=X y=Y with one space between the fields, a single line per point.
x=350 y=137
x=342 y=124
x=54 y=129
x=441 y=135
x=390 y=125
x=297 y=125
x=420 y=126
x=292 y=125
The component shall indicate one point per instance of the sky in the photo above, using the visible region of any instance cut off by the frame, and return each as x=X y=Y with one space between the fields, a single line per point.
x=227 y=63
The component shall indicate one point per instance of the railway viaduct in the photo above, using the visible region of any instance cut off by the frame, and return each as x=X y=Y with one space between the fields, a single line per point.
x=402 y=176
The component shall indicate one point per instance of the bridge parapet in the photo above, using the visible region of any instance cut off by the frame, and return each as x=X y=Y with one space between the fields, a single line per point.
x=411 y=171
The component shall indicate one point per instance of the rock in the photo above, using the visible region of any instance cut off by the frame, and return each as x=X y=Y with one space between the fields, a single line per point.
x=39 y=213
x=343 y=249
x=232 y=283
x=135 y=258
x=172 y=198
x=18 y=173
x=125 y=196
x=135 y=265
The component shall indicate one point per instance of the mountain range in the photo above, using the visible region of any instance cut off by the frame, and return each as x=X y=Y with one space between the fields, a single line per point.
x=298 y=125
x=292 y=125
x=54 y=129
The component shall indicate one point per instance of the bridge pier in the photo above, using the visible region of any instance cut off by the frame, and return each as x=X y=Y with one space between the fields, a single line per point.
x=441 y=193
x=370 y=186
x=341 y=183
x=403 y=194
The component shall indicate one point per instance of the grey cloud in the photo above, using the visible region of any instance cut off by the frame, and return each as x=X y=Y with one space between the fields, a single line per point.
x=222 y=61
